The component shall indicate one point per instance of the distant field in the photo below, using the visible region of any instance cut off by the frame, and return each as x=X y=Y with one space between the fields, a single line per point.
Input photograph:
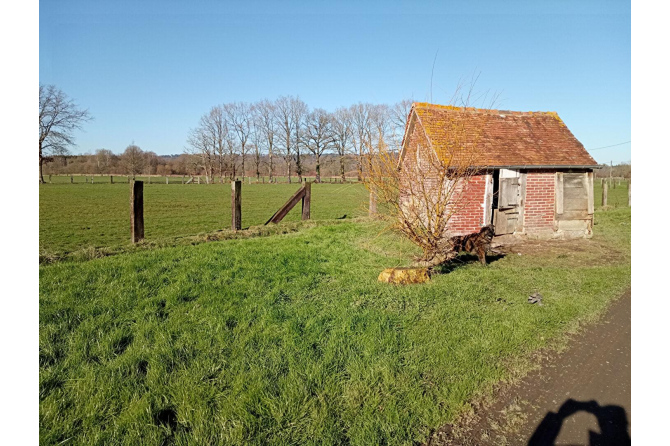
x=74 y=216
x=79 y=215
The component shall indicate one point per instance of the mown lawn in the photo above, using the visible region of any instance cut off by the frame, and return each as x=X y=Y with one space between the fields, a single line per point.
x=290 y=339
x=75 y=216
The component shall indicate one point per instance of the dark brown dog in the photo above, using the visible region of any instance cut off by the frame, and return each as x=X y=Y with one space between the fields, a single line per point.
x=477 y=243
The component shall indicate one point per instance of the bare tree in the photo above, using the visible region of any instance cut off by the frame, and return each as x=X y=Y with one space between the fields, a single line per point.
x=360 y=114
x=151 y=162
x=267 y=128
x=318 y=136
x=59 y=118
x=342 y=136
x=133 y=160
x=284 y=119
x=104 y=160
x=398 y=118
x=239 y=117
x=299 y=112
x=218 y=128
x=380 y=124
x=204 y=141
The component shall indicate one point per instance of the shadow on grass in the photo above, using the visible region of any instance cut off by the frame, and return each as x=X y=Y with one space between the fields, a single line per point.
x=463 y=260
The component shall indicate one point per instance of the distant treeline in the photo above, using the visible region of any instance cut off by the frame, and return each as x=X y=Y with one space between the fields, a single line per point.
x=283 y=137
x=621 y=170
x=104 y=162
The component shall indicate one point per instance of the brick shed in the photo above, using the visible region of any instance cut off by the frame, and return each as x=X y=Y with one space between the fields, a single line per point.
x=533 y=177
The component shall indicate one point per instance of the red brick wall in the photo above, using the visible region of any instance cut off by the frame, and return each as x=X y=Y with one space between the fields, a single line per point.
x=469 y=217
x=539 y=209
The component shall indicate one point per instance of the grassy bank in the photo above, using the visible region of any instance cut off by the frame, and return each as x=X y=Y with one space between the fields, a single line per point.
x=289 y=339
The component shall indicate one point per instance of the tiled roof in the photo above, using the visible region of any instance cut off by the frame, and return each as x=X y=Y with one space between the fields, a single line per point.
x=501 y=137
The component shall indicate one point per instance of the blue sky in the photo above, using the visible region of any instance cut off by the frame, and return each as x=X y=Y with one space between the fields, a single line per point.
x=148 y=70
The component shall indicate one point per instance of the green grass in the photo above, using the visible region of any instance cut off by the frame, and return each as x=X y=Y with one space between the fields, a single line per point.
x=617 y=196
x=76 y=216
x=289 y=339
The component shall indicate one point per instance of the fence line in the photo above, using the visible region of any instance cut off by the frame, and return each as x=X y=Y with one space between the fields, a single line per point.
x=99 y=178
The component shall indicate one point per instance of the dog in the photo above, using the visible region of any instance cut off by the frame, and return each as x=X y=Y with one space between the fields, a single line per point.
x=478 y=243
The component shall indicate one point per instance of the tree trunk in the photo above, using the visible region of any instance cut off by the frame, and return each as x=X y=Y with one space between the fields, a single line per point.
x=298 y=166
x=288 y=169
x=318 y=169
x=342 y=167
x=41 y=175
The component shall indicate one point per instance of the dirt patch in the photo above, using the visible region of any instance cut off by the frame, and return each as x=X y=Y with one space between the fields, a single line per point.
x=576 y=252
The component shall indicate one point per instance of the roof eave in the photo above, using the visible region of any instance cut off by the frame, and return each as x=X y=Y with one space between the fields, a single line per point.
x=544 y=166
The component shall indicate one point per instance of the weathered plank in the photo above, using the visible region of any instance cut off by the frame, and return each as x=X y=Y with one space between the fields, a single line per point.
x=372 y=206
x=589 y=191
x=307 y=201
x=286 y=208
x=509 y=193
x=236 y=204
x=523 y=177
x=136 y=211
x=560 y=188
x=604 y=202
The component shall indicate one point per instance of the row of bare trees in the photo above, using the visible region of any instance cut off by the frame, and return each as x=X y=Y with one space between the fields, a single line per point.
x=275 y=137
x=132 y=161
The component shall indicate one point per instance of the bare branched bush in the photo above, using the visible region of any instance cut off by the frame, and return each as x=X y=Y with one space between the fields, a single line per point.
x=420 y=187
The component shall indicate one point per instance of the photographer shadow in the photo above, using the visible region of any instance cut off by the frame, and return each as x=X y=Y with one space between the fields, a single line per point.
x=612 y=420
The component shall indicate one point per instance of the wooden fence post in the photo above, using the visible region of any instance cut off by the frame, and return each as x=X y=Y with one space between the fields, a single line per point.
x=71 y=179
x=111 y=179
x=629 y=181
x=49 y=178
x=307 y=201
x=605 y=186
x=136 y=211
x=167 y=179
x=183 y=179
x=236 y=204
x=372 y=207
x=92 y=179
x=198 y=179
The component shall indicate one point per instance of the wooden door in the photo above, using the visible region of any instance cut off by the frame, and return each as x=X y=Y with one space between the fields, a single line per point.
x=507 y=216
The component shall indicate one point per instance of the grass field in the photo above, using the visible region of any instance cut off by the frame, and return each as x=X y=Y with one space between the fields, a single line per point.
x=80 y=215
x=287 y=339
x=75 y=216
